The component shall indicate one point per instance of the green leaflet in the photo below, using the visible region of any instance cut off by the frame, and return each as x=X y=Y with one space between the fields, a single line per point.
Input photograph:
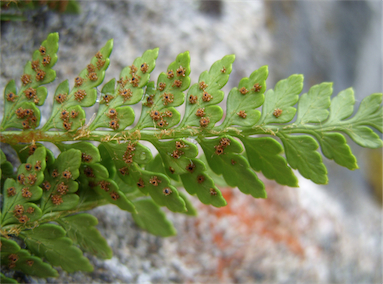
x=156 y=165
x=301 y=154
x=89 y=152
x=158 y=187
x=59 y=183
x=19 y=259
x=176 y=155
x=81 y=230
x=334 y=146
x=190 y=209
x=342 y=106
x=49 y=241
x=158 y=104
x=25 y=150
x=6 y=168
x=28 y=264
x=369 y=113
x=202 y=96
x=20 y=109
x=312 y=106
x=124 y=156
x=18 y=194
x=264 y=155
x=242 y=101
x=150 y=217
x=127 y=156
x=223 y=158
x=364 y=136
x=107 y=161
x=109 y=190
x=67 y=113
x=198 y=182
x=283 y=98
x=9 y=246
x=129 y=90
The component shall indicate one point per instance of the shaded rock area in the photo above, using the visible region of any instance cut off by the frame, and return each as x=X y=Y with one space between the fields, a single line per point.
x=311 y=234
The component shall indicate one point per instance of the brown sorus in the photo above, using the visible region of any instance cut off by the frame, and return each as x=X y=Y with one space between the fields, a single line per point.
x=161 y=86
x=140 y=183
x=202 y=85
x=177 y=83
x=60 y=98
x=155 y=181
x=80 y=95
x=242 y=114
x=257 y=87
x=144 y=67
x=243 y=91
x=200 y=112
x=78 y=81
x=56 y=200
x=114 y=124
x=30 y=93
x=46 y=60
x=277 y=112
x=11 y=97
x=181 y=71
x=206 y=97
x=204 y=121
x=26 y=79
x=167 y=191
x=114 y=195
x=40 y=74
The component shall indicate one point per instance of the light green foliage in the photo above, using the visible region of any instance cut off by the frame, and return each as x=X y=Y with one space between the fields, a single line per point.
x=116 y=166
x=25 y=262
x=20 y=107
x=49 y=241
x=11 y=8
x=81 y=229
x=150 y=217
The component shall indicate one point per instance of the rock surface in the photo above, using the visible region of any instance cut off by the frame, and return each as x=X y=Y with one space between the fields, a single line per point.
x=324 y=234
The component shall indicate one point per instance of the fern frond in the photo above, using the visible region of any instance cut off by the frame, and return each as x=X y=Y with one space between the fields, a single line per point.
x=119 y=168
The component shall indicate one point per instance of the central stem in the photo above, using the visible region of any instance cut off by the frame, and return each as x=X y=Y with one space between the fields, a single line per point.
x=30 y=136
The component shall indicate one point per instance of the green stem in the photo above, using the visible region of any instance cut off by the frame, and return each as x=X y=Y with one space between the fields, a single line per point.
x=30 y=136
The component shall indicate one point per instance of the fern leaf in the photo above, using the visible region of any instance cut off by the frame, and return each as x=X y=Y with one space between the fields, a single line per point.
x=202 y=97
x=150 y=217
x=301 y=154
x=59 y=183
x=18 y=207
x=20 y=109
x=243 y=101
x=121 y=170
x=282 y=98
x=23 y=261
x=49 y=241
x=81 y=230
x=263 y=154
x=158 y=107
x=67 y=113
x=223 y=157
x=6 y=168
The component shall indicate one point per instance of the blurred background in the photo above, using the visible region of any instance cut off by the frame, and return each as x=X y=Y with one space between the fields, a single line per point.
x=311 y=234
